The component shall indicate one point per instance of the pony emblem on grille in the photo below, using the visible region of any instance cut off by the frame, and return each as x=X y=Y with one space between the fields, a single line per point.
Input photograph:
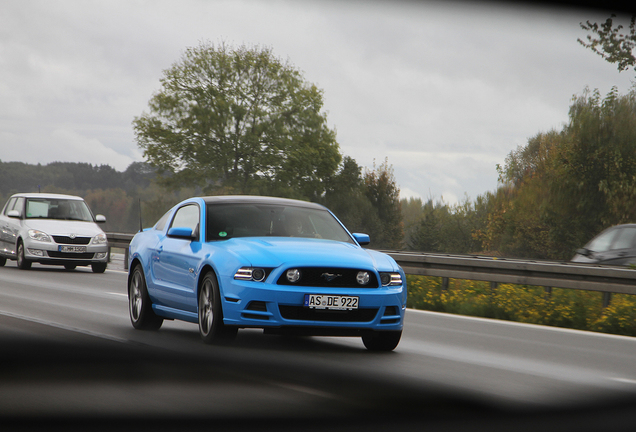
x=330 y=276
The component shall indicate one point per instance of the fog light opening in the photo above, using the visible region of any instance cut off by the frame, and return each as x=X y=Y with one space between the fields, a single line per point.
x=293 y=275
x=363 y=277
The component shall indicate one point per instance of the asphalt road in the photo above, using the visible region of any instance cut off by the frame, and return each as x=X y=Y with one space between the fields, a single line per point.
x=69 y=357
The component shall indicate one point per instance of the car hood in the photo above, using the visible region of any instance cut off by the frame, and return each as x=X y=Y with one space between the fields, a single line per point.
x=274 y=252
x=61 y=227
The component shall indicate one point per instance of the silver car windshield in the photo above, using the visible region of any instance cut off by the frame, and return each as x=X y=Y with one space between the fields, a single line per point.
x=225 y=221
x=58 y=209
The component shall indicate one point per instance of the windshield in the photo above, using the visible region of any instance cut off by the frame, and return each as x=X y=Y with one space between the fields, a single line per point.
x=225 y=221
x=59 y=209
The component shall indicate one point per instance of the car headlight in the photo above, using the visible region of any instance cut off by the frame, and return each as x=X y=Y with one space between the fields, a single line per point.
x=390 y=279
x=39 y=235
x=250 y=274
x=99 y=239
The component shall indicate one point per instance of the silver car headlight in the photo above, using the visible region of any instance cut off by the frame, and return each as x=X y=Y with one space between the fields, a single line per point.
x=39 y=235
x=251 y=274
x=99 y=239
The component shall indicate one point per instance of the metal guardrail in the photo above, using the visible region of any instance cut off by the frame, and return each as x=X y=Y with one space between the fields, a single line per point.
x=611 y=279
x=550 y=274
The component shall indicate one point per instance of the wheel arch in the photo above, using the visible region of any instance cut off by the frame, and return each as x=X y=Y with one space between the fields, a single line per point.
x=207 y=268
x=135 y=262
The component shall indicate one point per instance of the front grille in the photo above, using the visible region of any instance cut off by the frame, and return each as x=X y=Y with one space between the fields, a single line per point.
x=305 y=314
x=71 y=255
x=329 y=277
x=73 y=241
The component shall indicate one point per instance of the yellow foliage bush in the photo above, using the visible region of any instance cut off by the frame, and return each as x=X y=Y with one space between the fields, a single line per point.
x=576 y=309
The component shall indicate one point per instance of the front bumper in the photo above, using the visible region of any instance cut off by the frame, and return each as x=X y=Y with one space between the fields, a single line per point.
x=50 y=253
x=272 y=306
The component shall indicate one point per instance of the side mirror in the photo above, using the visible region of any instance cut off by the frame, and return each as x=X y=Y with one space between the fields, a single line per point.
x=14 y=214
x=362 y=239
x=181 y=232
x=100 y=218
x=584 y=252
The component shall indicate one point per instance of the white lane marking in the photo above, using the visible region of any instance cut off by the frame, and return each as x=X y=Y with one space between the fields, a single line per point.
x=63 y=327
x=623 y=380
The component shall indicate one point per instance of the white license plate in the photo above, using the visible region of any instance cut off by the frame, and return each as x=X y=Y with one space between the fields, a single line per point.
x=322 y=301
x=73 y=249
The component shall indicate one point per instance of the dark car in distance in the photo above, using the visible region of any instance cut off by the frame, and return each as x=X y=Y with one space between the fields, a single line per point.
x=614 y=246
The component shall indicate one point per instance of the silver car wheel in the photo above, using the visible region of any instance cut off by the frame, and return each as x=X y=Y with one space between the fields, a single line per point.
x=136 y=301
x=23 y=263
x=211 y=326
x=142 y=316
x=206 y=308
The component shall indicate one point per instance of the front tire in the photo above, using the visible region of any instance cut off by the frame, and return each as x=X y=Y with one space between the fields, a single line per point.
x=99 y=267
x=382 y=340
x=3 y=261
x=142 y=316
x=211 y=325
x=23 y=263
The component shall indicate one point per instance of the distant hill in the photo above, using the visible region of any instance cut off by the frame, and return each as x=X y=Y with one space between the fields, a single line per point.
x=71 y=176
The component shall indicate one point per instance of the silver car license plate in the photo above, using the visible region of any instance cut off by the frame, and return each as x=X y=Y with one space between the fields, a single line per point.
x=72 y=249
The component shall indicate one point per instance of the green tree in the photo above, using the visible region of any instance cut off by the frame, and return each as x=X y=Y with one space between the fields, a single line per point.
x=449 y=228
x=566 y=186
x=385 y=223
x=611 y=42
x=238 y=121
x=345 y=197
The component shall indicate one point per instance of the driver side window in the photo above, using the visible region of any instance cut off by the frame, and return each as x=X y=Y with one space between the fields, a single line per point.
x=187 y=217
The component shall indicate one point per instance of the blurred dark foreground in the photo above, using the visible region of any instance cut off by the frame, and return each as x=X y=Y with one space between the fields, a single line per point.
x=66 y=381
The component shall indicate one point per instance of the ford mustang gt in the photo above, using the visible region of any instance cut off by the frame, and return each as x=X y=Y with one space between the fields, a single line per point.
x=286 y=266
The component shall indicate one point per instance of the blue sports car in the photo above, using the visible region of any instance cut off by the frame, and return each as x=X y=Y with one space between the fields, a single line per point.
x=286 y=266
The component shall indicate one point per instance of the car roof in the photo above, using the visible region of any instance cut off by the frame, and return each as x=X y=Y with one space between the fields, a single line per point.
x=251 y=199
x=631 y=225
x=47 y=196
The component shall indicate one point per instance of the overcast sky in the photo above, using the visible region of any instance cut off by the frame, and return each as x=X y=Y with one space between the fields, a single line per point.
x=444 y=90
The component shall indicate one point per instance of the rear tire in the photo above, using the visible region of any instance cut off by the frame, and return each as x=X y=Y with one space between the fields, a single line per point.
x=142 y=316
x=23 y=263
x=211 y=326
x=3 y=261
x=382 y=340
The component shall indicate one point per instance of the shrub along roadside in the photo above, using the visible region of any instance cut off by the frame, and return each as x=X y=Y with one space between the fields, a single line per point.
x=576 y=309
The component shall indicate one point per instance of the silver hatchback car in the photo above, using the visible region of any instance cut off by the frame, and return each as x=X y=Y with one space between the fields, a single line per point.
x=52 y=229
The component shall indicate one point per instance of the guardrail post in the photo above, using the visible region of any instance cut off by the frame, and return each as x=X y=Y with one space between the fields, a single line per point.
x=548 y=292
x=607 y=298
x=493 y=286
x=444 y=283
x=125 y=258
